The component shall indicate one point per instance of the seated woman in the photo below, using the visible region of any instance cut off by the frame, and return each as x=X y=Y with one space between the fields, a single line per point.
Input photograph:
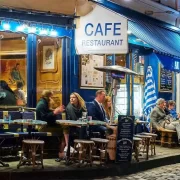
x=107 y=106
x=74 y=111
x=172 y=110
x=44 y=113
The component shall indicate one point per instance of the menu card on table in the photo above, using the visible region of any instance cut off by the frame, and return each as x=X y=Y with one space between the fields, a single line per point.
x=124 y=138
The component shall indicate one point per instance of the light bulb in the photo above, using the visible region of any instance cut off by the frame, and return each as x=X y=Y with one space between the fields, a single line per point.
x=31 y=29
x=53 y=33
x=43 y=32
x=6 y=26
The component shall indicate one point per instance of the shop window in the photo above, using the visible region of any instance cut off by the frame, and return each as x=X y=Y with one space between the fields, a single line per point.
x=138 y=99
x=121 y=60
x=121 y=100
x=13 y=54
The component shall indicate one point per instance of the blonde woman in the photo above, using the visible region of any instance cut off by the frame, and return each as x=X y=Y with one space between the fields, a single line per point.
x=107 y=106
x=74 y=111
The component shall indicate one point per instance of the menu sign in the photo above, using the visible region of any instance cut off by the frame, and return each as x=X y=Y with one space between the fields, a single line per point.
x=124 y=138
x=165 y=80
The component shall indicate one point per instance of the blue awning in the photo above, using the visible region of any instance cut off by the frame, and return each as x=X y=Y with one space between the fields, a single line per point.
x=158 y=38
x=170 y=63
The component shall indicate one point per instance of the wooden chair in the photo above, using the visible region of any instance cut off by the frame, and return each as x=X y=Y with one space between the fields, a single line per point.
x=166 y=136
x=136 y=148
x=100 y=148
x=84 y=151
x=146 y=143
x=111 y=147
x=28 y=153
x=152 y=142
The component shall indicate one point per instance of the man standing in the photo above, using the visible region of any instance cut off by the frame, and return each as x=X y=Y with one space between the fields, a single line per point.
x=97 y=112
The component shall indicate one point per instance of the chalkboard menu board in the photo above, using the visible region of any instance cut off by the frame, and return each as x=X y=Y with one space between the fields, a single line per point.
x=165 y=80
x=124 y=138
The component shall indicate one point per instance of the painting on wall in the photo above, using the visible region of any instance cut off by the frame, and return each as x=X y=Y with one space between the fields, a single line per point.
x=13 y=71
x=48 y=58
x=90 y=78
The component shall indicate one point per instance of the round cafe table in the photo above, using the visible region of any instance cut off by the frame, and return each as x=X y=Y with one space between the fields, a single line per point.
x=70 y=124
x=95 y=123
x=2 y=122
x=30 y=123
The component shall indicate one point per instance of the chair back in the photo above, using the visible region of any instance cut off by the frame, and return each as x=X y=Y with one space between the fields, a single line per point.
x=29 y=115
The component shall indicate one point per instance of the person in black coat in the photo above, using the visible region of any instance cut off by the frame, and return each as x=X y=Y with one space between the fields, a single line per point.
x=44 y=113
x=7 y=96
x=97 y=112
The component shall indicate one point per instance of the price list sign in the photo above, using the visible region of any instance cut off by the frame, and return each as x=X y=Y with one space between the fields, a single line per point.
x=124 y=138
x=165 y=80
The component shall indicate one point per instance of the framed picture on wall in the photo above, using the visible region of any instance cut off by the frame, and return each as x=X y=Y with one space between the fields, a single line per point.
x=48 y=57
x=90 y=78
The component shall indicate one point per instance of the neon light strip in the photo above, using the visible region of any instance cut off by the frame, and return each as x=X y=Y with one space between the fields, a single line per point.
x=38 y=29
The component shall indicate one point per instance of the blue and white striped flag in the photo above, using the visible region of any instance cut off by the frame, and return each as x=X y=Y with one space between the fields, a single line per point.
x=150 y=97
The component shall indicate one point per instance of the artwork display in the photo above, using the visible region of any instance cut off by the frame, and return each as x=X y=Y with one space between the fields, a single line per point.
x=48 y=58
x=91 y=78
x=13 y=71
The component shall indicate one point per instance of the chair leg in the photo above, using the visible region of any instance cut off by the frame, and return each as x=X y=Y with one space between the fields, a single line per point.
x=33 y=147
x=154 y=146
x=42 y=148
x=147 y=148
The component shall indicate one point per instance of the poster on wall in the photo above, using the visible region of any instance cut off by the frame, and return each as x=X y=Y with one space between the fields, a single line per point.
x=165 y=80
x=13 y=71
x=91 y=78
x=48 y=57
x=96 y=34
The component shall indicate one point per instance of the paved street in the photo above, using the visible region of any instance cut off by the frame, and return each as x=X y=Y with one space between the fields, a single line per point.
x=171 y=172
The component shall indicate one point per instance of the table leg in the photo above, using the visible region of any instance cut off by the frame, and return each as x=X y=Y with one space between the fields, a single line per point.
x=68 y=147
x=29 y=129
x=22 y=130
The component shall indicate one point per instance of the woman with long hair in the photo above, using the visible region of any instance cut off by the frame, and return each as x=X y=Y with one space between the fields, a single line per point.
x=107 y=106
x=76 y=107
x=74 y=111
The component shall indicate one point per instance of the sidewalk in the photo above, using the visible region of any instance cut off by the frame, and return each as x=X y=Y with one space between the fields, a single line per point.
x=53 y=170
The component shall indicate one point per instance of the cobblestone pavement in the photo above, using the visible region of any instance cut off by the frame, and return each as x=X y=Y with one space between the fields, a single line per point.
x=171 y=172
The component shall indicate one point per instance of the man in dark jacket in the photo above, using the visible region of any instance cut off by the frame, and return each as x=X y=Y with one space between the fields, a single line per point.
x=97 y=112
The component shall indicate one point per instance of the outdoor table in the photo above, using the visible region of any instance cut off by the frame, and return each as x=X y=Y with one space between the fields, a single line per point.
x=30 y=123
x=142 y=127
x=96 y=122
x=141 y=122
x=70 y=124
x=3 y=136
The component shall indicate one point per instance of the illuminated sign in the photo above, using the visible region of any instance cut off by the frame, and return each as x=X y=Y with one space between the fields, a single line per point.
x=101 y=32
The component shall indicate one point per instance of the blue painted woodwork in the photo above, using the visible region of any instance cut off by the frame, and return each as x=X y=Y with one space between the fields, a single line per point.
x=31 y=70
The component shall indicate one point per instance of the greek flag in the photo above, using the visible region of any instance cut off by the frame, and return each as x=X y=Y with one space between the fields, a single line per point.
x=150 y=97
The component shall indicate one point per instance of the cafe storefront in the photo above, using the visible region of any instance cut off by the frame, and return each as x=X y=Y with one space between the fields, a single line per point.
x=35 y=53
x=144 y=48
